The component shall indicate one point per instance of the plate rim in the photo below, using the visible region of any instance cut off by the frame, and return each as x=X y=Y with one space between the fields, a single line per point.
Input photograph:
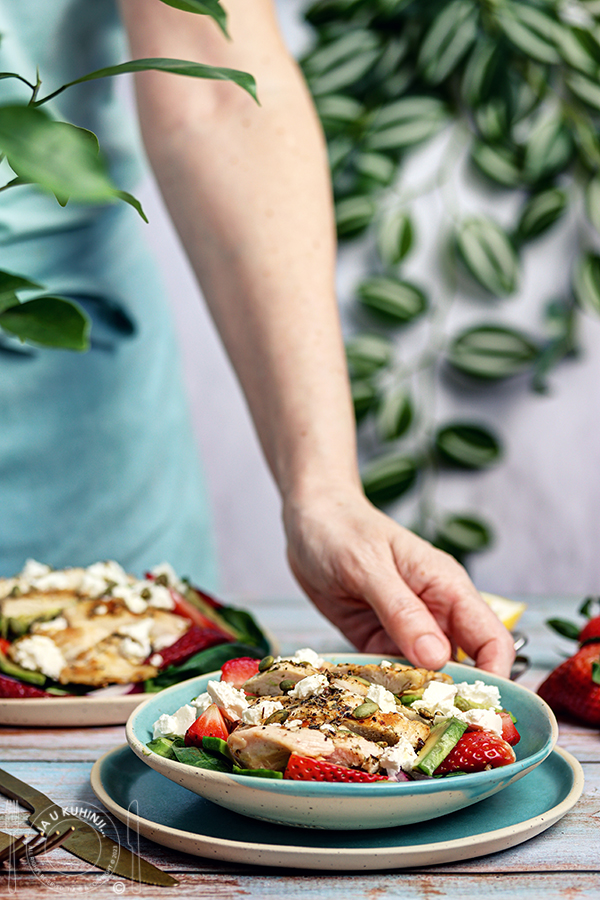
x=356 y=859
x=14 y=712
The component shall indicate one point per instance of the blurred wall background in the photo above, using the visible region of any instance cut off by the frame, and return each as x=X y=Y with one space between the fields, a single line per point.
x=543 y=499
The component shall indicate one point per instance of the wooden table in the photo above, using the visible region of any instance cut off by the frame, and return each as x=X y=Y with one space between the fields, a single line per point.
x=563 y=862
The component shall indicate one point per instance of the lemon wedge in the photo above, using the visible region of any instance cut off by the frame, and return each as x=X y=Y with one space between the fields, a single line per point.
x=508 y=611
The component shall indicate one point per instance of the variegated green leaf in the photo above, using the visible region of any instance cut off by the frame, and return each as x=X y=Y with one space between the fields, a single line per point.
x=460 y=535
x=467 y=445
x=586 y=283
x=364 y=397
x=497 y=163
x=395 y=237
x=388 y=477
x=588 y=143
x=368 y=353
x=488 y=254
x=395 y=415
x=448 y=39
x=374 y=170
x=332 y=54
x=406 y=122
x=540 y=212
x=483 y=63
x=585 y=89
x=492 y=120
x=338 y=111
x=592 y=201
x=530 y=29
x=579 y=48
x=354 y=214
x=325 y=11
x=548 y=150
x=492 y=352
x=398 y=301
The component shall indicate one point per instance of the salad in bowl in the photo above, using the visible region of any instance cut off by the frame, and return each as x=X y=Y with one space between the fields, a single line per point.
x=344 y=741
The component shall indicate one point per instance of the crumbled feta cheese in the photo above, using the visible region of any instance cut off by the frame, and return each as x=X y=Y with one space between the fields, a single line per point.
x=309 y=656
x=170 y=574
x=165 y=639
x=58 y=623
x=401 y=756
x=39 y=653
x=485 y=695
x=293 y=724
x=97 y=578
x=311 y=686
x=131 y=598
x=136 y=639
x=100 y=609
x=33 y=568
x=202 y=702
x=255 y=715
x=327 y=728
x=486 y=719
x=227 y=697
x=178 y=723
x=438 y=697
x=156 y=660
x=160 y=596
x=386 y=664
x=384 y=699
x=61 y=580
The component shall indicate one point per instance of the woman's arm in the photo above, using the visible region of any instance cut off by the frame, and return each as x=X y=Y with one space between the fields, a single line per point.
x=248 y=189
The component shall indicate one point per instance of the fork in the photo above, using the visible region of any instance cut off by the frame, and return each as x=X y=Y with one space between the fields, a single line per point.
x=15 y=848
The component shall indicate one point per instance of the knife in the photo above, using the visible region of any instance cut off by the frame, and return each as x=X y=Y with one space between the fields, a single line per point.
x=86 y=842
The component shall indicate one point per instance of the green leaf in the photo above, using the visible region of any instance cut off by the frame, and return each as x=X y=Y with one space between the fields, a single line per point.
x=585 y=89
x=364 y=397
x=375 y=170
x=353 y=215
x=530 y=30
x=244 y=625
x=467 y=445
x=492 y=352
x=10 y=284
x=592 y=201
x=492 y=120
x=450 y=36
x=588 y=144
x=394 y=416
x=195 y=756
x=338 y=112
x=340 y=63
x=368 y=354
x=325 y=11
x=487 y=252
x=480 y=72
x=395 y=237
x=399 y=302
x=132 y=201
x=565 y=628
x=586 y=607
x=406 y=122
x=49 y=321
x=497 y=163
x=540 y=212
x=56 y=156
x=210 y=8
x=579 y=48
x=586 y=283
x=548 y=150
x=460 y=535
x=160 y=64
x=388 y=477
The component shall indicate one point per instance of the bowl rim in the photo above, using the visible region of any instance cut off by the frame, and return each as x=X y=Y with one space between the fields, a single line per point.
x=366 y=789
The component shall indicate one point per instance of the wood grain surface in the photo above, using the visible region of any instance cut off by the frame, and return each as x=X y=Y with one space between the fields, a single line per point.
x=563 y=862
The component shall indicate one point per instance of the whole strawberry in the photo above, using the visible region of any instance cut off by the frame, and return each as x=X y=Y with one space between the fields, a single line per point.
x=573 y=688
x=573 y=630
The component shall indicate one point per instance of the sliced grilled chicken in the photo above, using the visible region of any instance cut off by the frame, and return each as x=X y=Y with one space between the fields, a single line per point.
x=396 y=677
x=267 y=683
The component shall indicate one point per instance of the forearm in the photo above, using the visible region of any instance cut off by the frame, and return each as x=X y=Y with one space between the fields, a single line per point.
x=248 y=189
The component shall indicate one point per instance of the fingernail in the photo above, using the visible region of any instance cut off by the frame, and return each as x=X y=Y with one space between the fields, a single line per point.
x=431 y=651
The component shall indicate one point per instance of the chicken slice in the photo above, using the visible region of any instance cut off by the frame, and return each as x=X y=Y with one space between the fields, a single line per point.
x=396 y=677
x=267 y=683
x=270 y=747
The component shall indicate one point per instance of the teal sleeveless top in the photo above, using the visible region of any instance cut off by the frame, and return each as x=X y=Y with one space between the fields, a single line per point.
x=97 y=456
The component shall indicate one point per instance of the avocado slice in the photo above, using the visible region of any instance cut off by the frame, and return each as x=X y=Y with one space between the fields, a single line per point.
x=19 y=613
x=8 y=667
x=442 y=738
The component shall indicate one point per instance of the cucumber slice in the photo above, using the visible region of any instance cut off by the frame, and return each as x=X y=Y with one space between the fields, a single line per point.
x=442 y=738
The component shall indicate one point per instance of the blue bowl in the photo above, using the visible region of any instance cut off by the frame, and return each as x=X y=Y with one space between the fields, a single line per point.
x=351 y=806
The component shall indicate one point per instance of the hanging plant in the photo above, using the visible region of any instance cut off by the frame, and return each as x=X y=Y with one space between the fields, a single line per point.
x=518 y=80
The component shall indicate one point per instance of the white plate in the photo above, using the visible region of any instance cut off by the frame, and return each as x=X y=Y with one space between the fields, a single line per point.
x=174 y=817
x=69 y=712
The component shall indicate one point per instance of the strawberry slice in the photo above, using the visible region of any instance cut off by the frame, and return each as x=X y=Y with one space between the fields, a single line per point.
x=10 y=687
x=194 y=640
x=4 y=645
x=210 y=724
x=477 y=751
x=238 y=671
x=509 y=732
x=304 y=768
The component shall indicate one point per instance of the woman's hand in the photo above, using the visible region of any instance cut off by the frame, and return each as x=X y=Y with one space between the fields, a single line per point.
x=388 y=590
